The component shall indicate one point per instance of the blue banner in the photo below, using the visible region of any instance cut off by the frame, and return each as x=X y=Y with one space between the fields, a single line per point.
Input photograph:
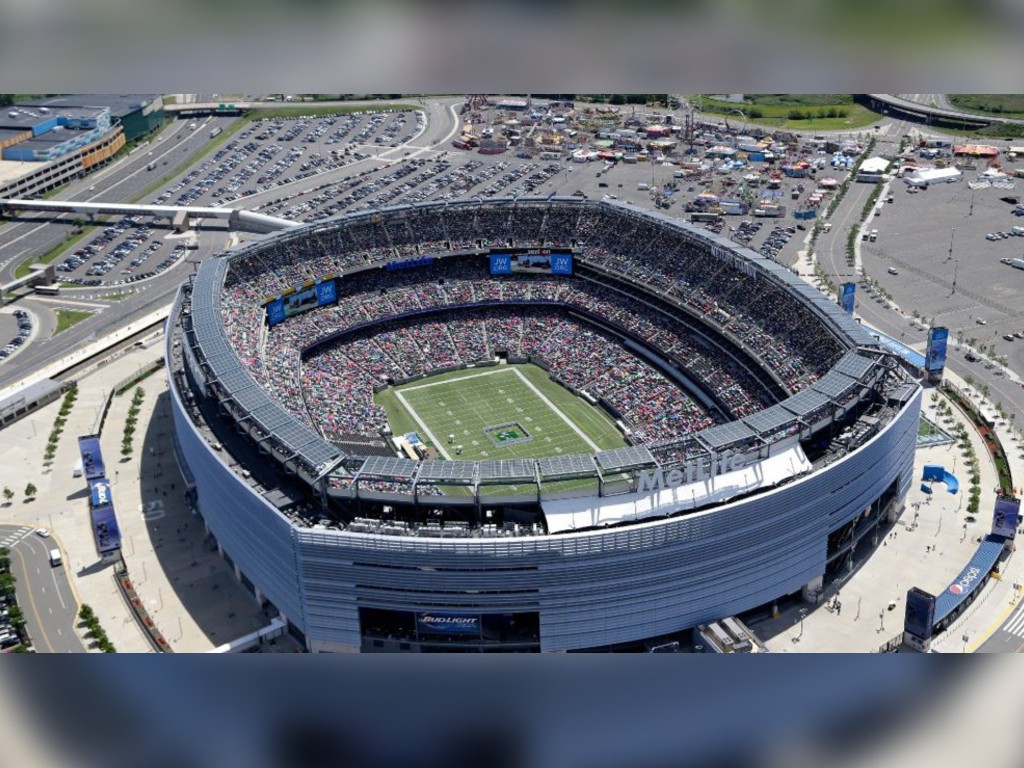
x=99 y=493
x=936 y=357
x=501 y=264
x=92 y=458
x=919 y=619
x=106 y=531
x=422 y=261
x=1006 y=517
x=326 y=293
x=848 y=298
x=561 y=263
x=275 y=312
x=448 y=623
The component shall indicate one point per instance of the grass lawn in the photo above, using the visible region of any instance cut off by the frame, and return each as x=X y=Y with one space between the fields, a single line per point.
x=505 y=412
x=774 y=111
x=303 y=109
x=1007 y=104
x=67 y=318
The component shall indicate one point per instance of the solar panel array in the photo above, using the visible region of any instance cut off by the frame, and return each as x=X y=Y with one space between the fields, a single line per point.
x=507 y=470
x=619 y=459
x=456 y=471
x=724 y=435
x=295 y=437
x=566 y=466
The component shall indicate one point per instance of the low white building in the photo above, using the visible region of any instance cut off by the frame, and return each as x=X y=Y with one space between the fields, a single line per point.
x=925 y=176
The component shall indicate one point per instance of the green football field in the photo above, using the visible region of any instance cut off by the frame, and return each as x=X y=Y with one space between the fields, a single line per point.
x=502 y=412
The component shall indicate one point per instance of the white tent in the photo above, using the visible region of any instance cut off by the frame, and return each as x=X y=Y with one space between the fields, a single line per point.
x=925 y=176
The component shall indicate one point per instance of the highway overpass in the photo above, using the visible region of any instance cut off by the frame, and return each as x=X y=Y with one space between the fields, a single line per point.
x=895 y=106
x=178 y=215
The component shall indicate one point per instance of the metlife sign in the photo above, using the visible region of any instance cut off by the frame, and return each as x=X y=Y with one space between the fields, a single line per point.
x=693 y=472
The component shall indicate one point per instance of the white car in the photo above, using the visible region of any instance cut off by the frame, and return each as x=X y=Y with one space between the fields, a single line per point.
x=981 y=321
x=43 y=533
x=992 y=236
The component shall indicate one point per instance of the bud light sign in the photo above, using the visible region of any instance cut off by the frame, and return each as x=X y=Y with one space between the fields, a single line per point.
x=448 y=623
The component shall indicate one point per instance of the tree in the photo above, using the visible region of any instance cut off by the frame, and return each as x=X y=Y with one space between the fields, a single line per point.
x=30 y=491
x=8 y=495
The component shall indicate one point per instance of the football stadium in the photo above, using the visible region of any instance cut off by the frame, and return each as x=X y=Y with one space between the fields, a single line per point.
x=528 y=424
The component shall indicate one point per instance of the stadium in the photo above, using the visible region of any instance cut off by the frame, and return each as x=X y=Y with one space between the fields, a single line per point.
x=528 y=425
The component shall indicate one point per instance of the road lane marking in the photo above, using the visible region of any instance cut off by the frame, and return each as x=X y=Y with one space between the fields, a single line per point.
x=32 y=603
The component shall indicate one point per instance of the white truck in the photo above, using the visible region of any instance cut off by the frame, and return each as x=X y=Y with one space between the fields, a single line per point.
x=1017 y=263
x=55 y=558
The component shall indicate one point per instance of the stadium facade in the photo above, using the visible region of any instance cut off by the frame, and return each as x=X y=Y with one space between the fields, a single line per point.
x=362 y=550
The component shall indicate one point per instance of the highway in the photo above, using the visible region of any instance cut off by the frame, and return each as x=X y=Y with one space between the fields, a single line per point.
x=43 y=592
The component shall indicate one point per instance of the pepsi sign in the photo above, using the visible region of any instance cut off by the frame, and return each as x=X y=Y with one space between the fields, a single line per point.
x=965 y=582
x=101 y=493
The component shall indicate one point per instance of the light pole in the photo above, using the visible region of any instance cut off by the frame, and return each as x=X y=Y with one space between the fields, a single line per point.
x=803 y=613
x=881 y=621
x=965 y=638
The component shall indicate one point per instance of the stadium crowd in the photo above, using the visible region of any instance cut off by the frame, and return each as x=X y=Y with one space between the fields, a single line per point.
x=336 y=381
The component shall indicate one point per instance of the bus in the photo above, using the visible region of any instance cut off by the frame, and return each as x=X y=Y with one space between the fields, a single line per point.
x=705 y=217
x=47 y=290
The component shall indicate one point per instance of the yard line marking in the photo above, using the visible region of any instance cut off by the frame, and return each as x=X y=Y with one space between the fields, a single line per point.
x=557 y=412
x=458 y=378
x=426 y=430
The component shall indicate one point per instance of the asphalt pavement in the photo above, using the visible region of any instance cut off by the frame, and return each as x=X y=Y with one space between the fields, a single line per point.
x=43 y=591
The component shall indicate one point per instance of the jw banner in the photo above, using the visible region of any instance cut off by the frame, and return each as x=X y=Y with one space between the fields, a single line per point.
x=847 y=299
x=935 y=359
x=322 y=293
x=536 y=262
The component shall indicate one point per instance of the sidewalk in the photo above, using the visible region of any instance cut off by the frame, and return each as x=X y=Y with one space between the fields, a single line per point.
x=190 y=592
x=927 y=547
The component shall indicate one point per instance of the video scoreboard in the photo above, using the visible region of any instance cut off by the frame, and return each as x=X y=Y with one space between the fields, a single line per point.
x=535 y=261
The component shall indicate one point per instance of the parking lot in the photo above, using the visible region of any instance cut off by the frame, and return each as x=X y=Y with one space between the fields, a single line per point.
x=271 y=153
x=15 y=330
x=123 y=252
x=947 y=267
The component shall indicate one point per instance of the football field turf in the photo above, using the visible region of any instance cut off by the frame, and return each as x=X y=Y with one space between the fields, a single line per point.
x=503 y=412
